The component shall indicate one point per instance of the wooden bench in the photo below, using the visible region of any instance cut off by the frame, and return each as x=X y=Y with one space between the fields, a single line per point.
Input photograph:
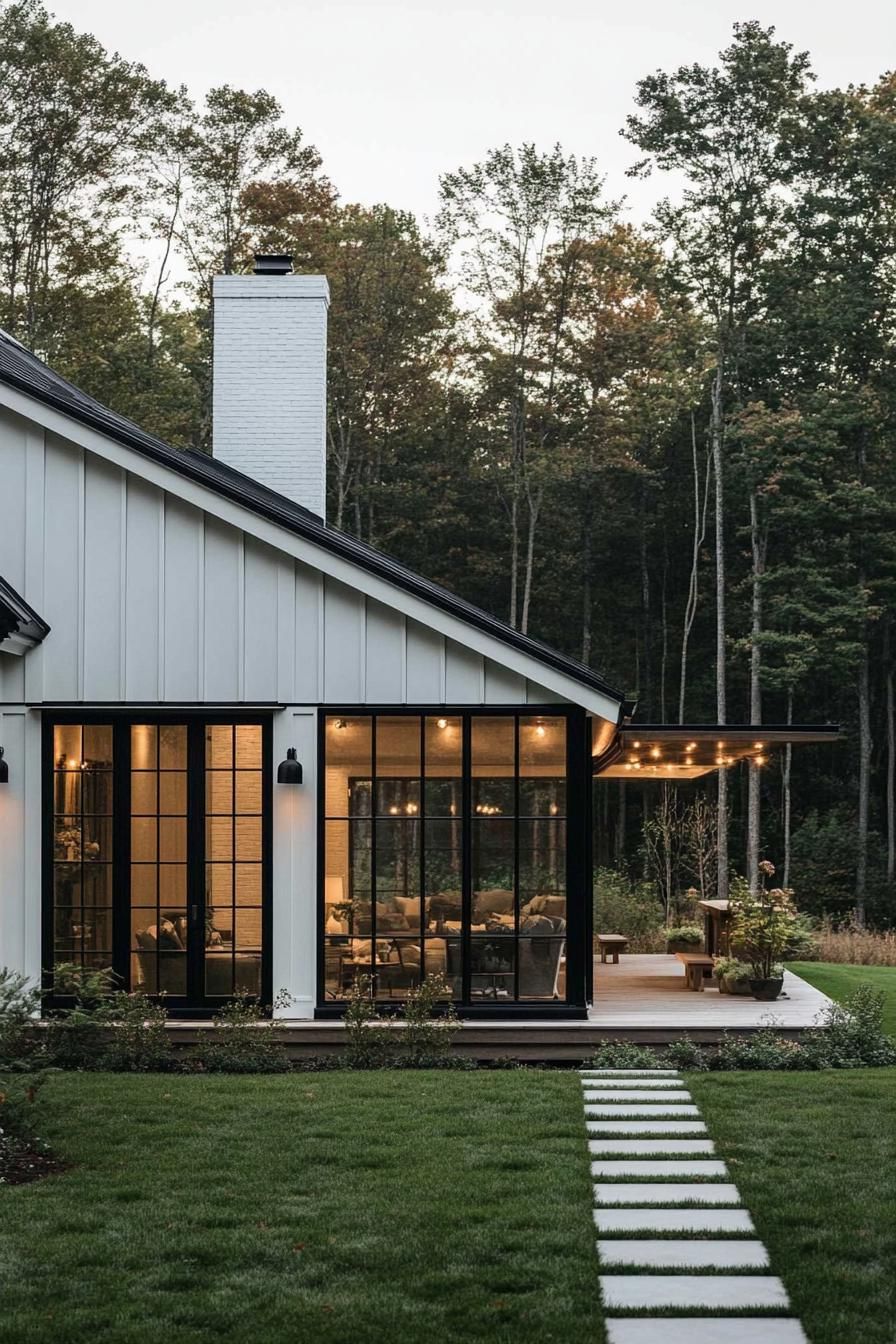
x=695 y=964
x=612 y=944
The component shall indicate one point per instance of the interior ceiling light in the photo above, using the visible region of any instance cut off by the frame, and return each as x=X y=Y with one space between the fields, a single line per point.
x=540 y=729
x=442 y=723
x=655 y=752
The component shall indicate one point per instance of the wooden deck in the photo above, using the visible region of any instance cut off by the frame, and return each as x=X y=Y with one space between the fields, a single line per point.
x=643 y=999
x=648 y=992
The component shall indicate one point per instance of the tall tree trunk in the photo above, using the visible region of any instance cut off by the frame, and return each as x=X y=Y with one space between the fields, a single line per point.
x=534 y=503
x=721 y=696
x=891 y=762
x=514 y=554
x=620 y=826
x=664 y=628
x=587 y=552
x=645 y=686
x=758 y=549
x=864 y=692
x=698 y=536
x=788 y=761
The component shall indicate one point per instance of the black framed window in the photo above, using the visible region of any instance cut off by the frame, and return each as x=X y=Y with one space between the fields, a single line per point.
x=446 y=848
x=158 y=852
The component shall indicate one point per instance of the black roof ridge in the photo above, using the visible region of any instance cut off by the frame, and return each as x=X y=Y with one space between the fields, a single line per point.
x=22 y=370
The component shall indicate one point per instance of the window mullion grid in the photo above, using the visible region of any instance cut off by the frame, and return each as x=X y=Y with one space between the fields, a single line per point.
x=466 y=946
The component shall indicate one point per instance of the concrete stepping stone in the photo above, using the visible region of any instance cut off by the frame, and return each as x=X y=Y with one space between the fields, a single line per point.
x=731 y=1292
x=639 y=1083
x=638 y=1094
x=630 y=1073
x=705 y=1330
x=693 y=1254
x=665 y=1192
x=648 y=1147
x=647 y=1168
x=645 y=1126
x=673 y=1220
x=674 y=1109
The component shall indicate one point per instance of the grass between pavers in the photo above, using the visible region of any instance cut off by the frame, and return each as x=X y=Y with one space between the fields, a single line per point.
x=839 y=981
x=814 y=1158
x=422 y=1207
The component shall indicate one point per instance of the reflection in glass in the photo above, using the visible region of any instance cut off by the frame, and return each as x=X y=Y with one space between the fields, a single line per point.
x=82 y=844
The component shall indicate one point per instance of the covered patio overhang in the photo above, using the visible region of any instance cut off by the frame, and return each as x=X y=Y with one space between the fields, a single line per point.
x=679 y=752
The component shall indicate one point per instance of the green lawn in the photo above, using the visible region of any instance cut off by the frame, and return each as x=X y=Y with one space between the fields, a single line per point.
x=430 y=1208
x=814 y=1157
x=839 y=981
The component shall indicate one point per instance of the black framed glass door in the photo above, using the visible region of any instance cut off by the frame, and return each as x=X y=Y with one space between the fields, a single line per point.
x=157 y=853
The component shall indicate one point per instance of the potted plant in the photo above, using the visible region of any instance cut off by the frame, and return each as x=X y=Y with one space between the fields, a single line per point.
x=733 y=975
x=684 y=938
x=761 y=927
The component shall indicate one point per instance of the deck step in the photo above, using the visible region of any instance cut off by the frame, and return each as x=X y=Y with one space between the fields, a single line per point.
x=665 y=1192
x=648 y=1167
x=705 y=1330
x=720 y=1292
x=673 y=1220
x=692 y=1253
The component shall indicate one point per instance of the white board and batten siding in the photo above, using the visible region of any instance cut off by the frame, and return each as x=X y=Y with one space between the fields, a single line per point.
x=152 y=600
x=158 y=593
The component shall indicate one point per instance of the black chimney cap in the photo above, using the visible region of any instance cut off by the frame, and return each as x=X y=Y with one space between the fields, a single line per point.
x=273 y=263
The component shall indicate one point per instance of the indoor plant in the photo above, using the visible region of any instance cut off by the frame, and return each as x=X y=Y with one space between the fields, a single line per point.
x=761 y=925
x=684 y=938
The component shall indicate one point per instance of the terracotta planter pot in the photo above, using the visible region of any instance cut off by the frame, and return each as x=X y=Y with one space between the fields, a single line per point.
x=767 y=990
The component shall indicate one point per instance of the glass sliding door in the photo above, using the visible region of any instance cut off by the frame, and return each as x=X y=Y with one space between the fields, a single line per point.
x=446 y=849
x=159 y=855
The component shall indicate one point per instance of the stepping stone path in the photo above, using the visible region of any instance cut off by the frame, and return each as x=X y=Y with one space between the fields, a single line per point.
x=672 y=1237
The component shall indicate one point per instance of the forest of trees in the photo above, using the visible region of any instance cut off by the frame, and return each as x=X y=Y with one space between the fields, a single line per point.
x=667 y=449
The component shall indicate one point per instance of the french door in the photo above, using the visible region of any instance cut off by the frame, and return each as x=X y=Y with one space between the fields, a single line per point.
x=158 y=853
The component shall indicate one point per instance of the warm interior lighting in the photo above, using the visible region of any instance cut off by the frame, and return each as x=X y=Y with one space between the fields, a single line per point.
x=340 y=723
x=691 y=746
x=655 y=753
x=442 y=723
x=637 y=744
x=760 y=760
x=540 y=729
x=758 y=745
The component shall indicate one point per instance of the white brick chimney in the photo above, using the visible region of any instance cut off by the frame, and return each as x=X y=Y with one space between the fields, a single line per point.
x=269 y=391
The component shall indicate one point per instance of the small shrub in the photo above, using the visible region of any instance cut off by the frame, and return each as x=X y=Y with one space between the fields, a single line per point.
x=135 y=1039
x=19 y=1005
x=685 y=933
x=730 y=968
x=761 y=1050
x=74 y=1037
x=624 y=1055
x=852 y=1034
x=243 y=1039
x=685 y=1054
x=427 y=1036
x=370 y=1044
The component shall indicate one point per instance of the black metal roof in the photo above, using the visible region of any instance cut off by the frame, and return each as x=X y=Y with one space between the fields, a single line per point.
x=18 y=618
x=20 y=369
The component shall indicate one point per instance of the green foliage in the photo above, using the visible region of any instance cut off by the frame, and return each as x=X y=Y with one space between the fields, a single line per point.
x=429 y=1023
x=731 y=968
x=624 y=1055
x=762 y=923
x=243 y=1038
x=19 y=1005
x=685 y=1054
x=622 y=905
x=75 y=1037
x=685 y=933
x=853 y=1035
x=370 y=1043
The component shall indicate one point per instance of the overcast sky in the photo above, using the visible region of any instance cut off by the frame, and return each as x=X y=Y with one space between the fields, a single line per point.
x=395 y=94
